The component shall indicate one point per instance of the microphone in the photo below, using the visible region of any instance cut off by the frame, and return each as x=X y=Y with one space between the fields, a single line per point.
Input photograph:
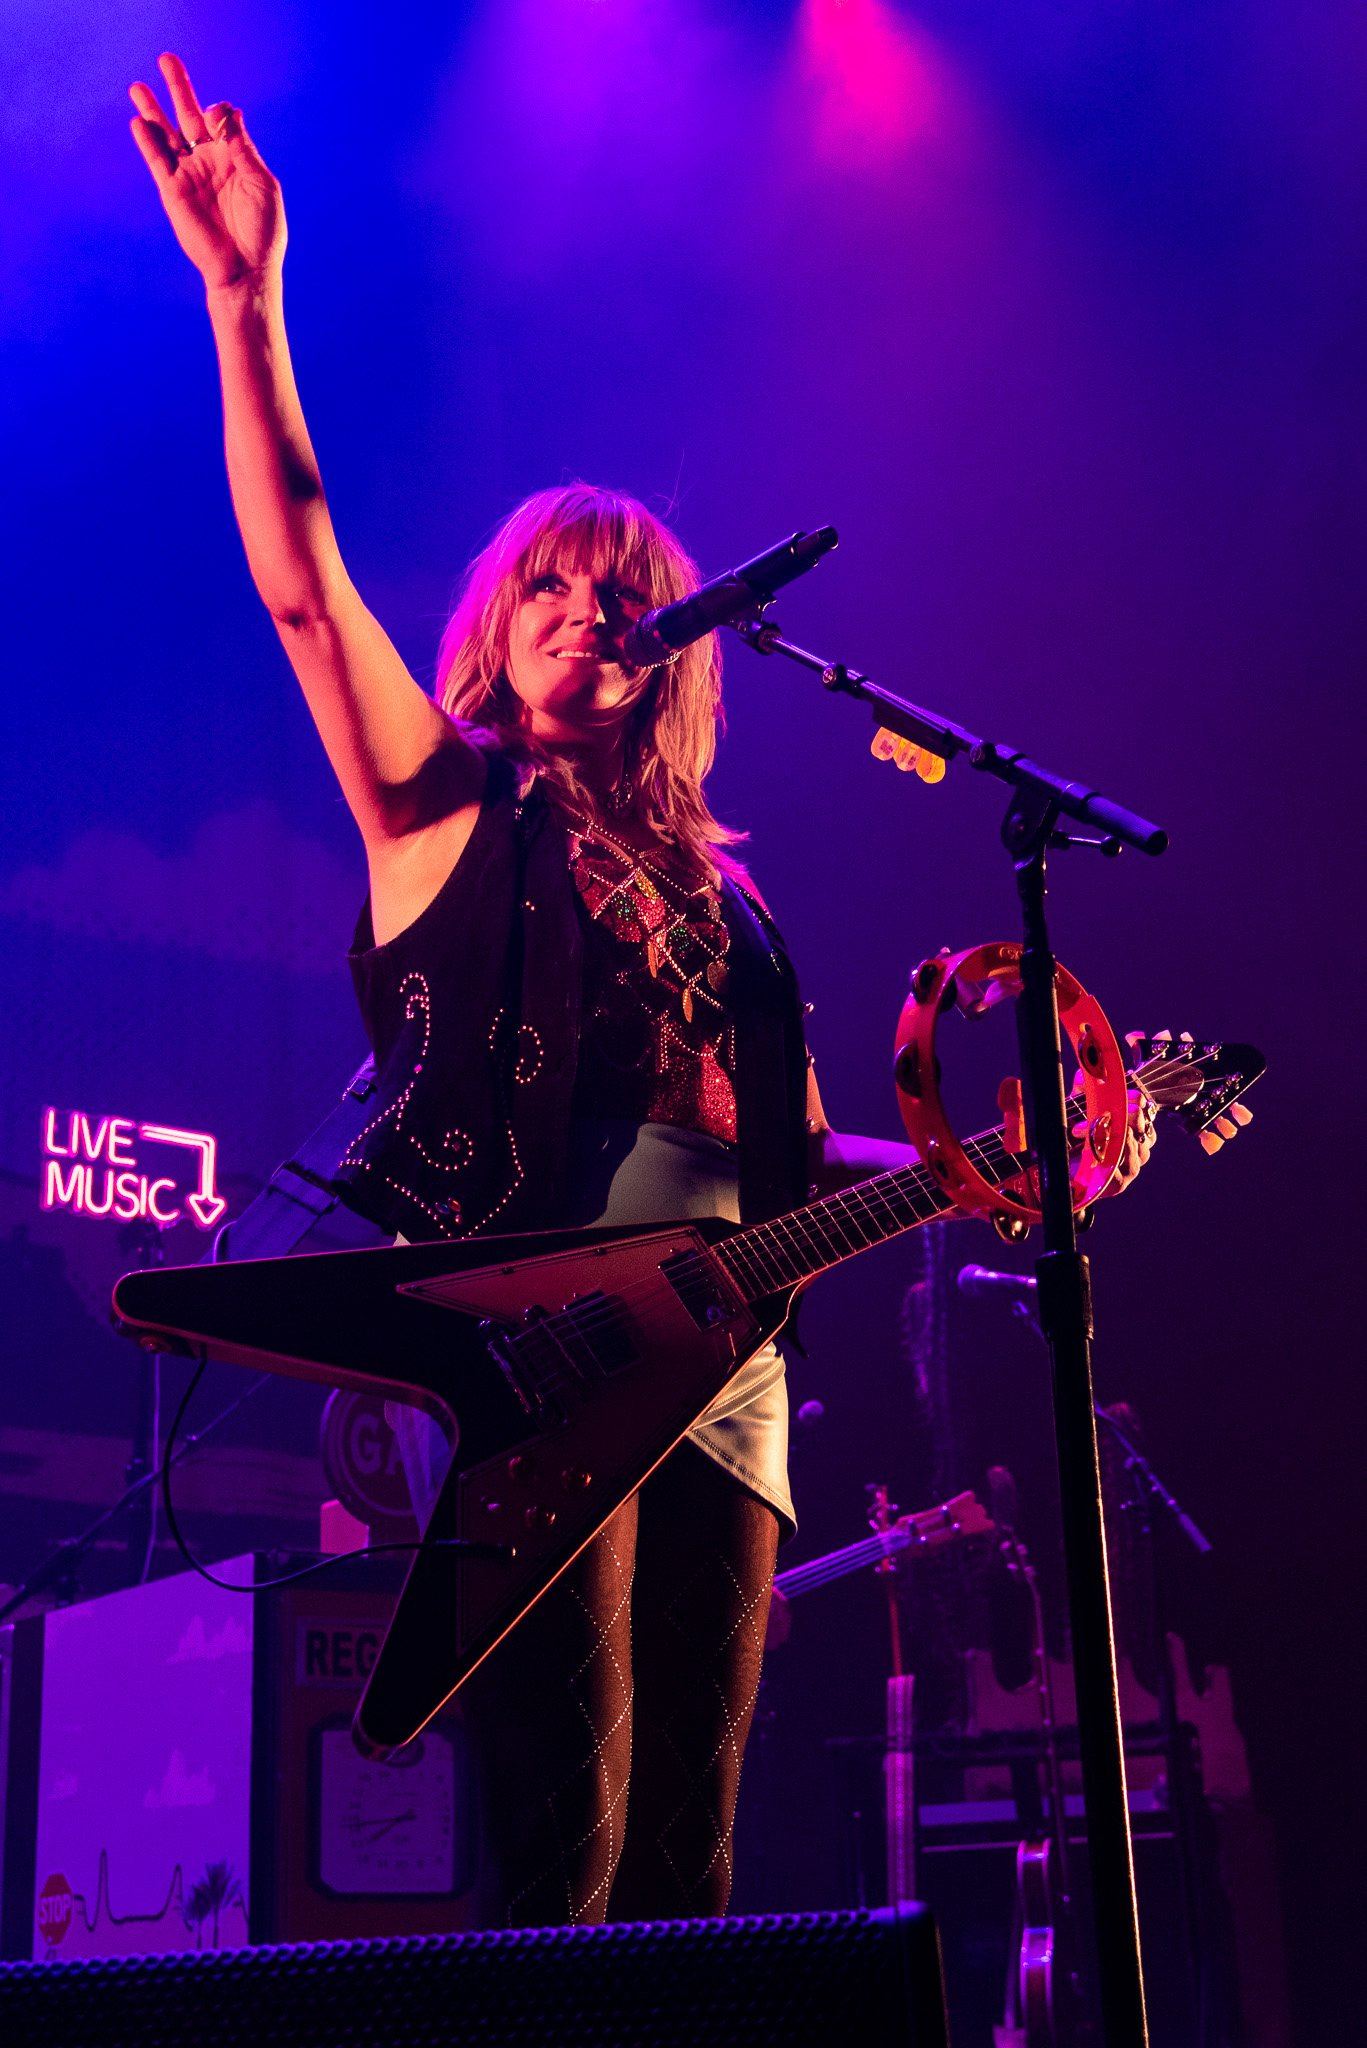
x=660 y=634
x=982 y=1280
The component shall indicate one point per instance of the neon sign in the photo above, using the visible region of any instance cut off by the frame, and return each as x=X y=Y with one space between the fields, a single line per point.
x=95 y=1167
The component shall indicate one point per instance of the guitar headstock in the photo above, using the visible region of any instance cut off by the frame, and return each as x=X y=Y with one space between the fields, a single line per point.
x=965 y=1515
x=1202 y=1085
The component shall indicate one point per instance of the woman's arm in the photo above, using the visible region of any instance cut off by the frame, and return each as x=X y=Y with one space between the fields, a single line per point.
x=837 y=1159
x=401 y=763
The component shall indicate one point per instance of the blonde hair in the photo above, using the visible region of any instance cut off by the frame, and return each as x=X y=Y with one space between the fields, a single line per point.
x=671 y=731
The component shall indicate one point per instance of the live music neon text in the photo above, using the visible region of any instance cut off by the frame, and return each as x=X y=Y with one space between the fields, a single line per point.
x=76 y=1147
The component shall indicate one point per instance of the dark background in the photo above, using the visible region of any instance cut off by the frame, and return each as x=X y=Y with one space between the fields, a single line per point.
x=1057 y=311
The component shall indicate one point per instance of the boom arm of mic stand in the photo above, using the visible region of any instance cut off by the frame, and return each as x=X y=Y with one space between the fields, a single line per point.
x=943 y=736
x=1135 y=1457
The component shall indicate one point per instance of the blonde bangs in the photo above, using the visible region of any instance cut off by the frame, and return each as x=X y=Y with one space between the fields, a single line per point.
x=606 y=536
x=671 y=732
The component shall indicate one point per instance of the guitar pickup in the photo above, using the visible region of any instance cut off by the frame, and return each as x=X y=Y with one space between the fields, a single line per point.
x=700 y=1287
x=595 y=1335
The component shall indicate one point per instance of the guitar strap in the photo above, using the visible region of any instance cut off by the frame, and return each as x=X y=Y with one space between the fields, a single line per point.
x=302 y=1190
x=771 y=1062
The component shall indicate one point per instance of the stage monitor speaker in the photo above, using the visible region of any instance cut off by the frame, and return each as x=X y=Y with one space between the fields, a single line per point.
x=801 y=1980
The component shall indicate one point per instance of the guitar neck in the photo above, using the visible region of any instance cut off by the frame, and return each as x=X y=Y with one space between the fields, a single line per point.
x=801 y=1578
x=770 y=1258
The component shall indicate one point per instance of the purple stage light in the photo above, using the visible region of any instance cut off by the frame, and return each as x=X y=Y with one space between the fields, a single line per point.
x=570 y=137
x=879 y=84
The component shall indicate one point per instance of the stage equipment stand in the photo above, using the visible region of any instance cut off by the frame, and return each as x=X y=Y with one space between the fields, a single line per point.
x=1029 y=829
x=142 y=1244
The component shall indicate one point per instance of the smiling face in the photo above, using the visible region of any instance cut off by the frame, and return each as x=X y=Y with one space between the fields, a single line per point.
x=533 y=652
x=565 y=659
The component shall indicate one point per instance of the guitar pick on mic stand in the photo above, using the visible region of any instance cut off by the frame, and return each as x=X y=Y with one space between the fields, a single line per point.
x=1031 y=826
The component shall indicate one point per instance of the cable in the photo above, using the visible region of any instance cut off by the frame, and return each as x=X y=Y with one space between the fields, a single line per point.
x=307 y=1571
x=324 y=1564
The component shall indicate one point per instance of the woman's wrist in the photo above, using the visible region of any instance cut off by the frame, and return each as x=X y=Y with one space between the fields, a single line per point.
x=252 y=290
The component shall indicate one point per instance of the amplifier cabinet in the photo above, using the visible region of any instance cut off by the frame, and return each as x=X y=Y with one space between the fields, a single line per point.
x=180 y=1777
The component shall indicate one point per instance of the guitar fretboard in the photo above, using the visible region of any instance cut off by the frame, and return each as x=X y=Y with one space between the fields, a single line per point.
x=771 y=1257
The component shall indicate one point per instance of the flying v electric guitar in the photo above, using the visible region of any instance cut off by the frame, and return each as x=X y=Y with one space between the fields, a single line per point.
x=568 y=1364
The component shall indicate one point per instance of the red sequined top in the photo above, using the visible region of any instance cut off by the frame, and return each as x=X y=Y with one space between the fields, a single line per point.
x=657 y=1043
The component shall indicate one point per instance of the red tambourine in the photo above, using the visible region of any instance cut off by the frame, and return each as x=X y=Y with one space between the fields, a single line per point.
x=974 y=980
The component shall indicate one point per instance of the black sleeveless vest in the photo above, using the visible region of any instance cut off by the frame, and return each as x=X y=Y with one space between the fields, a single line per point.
x=473 y=1014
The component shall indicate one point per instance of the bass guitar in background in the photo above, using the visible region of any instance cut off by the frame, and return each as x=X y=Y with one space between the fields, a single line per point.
x=905 y=1538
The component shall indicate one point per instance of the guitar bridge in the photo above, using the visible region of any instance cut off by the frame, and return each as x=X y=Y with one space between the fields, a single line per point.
x=535 y=1367
x=552 y=1355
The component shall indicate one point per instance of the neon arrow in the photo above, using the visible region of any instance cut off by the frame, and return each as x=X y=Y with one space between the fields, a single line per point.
x=206 y=1206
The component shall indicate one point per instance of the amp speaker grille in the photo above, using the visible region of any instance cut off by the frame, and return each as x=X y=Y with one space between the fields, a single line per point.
x=786 y=1979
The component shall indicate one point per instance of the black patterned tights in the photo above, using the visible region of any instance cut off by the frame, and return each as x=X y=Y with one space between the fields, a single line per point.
x=611 y=1723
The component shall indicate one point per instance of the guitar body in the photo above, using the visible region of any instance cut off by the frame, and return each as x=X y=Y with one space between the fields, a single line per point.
x=567 y=1365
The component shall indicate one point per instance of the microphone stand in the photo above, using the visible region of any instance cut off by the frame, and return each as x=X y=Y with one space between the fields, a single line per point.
x=144 y=1244
x=1190 y=1825
x=1029 y=829
x=1148 y=1483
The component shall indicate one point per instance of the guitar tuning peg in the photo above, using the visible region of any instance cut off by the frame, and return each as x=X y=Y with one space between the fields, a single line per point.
x=1240 y=1114
x=1226 y=1126
x=1210 y=1143
x=1162 y=1037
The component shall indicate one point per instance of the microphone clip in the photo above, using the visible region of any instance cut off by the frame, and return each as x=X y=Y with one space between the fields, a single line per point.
x=756 y=631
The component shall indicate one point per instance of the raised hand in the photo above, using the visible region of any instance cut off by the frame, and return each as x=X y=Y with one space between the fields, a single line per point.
x=223 y=203
x=1140 y=1132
